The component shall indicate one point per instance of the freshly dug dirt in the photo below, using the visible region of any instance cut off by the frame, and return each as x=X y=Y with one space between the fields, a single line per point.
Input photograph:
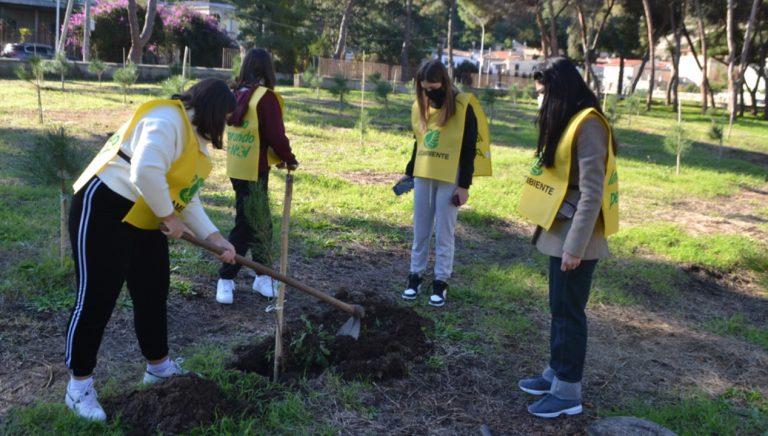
x=172 y=407
x=391 y=338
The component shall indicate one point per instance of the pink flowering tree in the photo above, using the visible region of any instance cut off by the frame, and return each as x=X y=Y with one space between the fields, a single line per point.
x=111 y=38
x=175 y=26
x=184 y=27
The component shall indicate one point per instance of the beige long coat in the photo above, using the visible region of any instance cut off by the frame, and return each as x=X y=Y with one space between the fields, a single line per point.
x=583 y=235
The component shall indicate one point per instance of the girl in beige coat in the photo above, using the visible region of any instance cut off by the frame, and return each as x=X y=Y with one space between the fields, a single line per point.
x=569 y=116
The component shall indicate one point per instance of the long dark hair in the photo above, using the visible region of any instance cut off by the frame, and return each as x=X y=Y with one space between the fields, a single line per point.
x=434 y=71
x=212 y=102
x=565 y=94
x=256 y=69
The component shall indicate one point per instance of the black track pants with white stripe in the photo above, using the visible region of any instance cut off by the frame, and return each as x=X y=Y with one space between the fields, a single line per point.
x=108 y=253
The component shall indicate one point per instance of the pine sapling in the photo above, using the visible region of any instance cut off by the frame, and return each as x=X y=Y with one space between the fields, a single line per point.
x=126 y=77
x=59 y=65
x=677 y=141
x=34 y=76
x=97 y=67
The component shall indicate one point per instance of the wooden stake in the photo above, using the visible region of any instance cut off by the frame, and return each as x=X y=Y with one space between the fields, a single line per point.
x=279 y=322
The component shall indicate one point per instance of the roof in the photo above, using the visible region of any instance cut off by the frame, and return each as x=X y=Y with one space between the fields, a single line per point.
x=40 y=3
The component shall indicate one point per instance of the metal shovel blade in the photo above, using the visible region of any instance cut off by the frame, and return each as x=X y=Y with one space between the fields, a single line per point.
x=350 y=328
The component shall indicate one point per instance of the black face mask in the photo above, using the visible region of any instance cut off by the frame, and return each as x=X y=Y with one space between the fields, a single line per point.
x=436 y=95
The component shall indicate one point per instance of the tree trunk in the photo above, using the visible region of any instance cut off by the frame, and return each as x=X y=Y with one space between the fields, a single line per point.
x=553 y=45
x=63 y=37
x=545 y=44
x=341 y=44
x=451 y=11
x=753 y=94
x=584 y=43
x=406 y=40
x=651 y=53
x=139 y=40
x=639 y=74
x=620 y=86
x=676 y=55
x=87 y=33
x=703 y=66
x=735 y=79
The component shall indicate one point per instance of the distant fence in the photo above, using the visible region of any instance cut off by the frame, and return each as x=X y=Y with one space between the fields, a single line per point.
x=228 y=56
x=354 y=70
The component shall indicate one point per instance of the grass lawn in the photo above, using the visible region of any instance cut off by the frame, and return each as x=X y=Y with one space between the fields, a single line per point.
x=689 y=270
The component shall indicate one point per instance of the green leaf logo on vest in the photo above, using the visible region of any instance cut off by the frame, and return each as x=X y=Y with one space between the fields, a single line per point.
x=186 y=194
x=536 y=169
x=431 y=139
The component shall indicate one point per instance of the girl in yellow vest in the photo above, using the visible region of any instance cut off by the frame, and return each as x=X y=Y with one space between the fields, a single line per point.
x=147 y=174
x=255 y=140
x=442 y=165
x=568 y=193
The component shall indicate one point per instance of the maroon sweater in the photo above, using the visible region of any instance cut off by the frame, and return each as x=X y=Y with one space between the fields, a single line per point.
x=271 y=127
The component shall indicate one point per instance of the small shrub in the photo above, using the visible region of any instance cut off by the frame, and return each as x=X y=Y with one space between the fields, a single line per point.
x=530 y=91
x=59 y=65
x=35 y=76
x=126 y=77
x=173 y=85
x=312 y=80
x=611 y=108
x=339 y=87
x=97 y=67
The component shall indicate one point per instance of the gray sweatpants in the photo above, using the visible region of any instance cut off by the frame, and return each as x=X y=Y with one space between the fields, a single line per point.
x=433 y=209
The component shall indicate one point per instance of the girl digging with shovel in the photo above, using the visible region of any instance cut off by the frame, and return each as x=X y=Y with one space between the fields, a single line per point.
x=146 y=175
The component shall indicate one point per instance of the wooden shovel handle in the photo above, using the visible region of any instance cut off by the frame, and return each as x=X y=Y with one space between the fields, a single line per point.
x=352 y=309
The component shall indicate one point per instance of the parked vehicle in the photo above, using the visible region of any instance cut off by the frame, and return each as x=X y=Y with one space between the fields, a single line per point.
x=26 y=50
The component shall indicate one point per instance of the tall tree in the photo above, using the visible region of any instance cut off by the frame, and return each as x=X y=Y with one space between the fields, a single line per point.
x=584 y=15
x=676 y=10
x=704 y=67
x=140 y=39
x=651 y=52
x=404 y=54
x=736 y=78
x=63 y=37
x=341 y=44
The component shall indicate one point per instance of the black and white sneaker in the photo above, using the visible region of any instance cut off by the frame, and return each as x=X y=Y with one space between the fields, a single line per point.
x=439 y=291
x=414 y=287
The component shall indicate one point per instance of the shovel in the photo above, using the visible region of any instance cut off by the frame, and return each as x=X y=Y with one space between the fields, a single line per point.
x=350 y=328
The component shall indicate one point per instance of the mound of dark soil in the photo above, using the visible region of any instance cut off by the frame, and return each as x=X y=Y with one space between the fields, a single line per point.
x=172 y=407
x=391 y=337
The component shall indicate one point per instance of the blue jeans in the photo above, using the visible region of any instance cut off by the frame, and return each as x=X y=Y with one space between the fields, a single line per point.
x=568 y=295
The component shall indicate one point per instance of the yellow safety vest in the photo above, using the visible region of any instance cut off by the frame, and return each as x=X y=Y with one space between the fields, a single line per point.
x=545 y=188
x=185 y=176
x=438 y=148
x=243 y=142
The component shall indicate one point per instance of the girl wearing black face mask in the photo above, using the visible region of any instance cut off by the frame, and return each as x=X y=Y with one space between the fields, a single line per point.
x=442 y=164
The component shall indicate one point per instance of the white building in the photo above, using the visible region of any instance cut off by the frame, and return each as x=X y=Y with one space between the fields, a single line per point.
x=224 y=13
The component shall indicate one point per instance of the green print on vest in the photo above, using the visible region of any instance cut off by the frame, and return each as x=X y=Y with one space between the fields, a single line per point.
x=186 y=194
x=239 y=150
x=431 y=139
x=245 y=124
x=614 y=199
x=614 y=178
x=536 y=169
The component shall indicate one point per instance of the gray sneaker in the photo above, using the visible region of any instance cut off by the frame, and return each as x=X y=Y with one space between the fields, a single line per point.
x=550 y=406
x=535 y=385
x=156 y=377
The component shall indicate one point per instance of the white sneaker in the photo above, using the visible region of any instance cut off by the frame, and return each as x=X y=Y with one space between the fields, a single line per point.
x=224 y=291
x=85 y=404
x=156 y=377
x=265 y=286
